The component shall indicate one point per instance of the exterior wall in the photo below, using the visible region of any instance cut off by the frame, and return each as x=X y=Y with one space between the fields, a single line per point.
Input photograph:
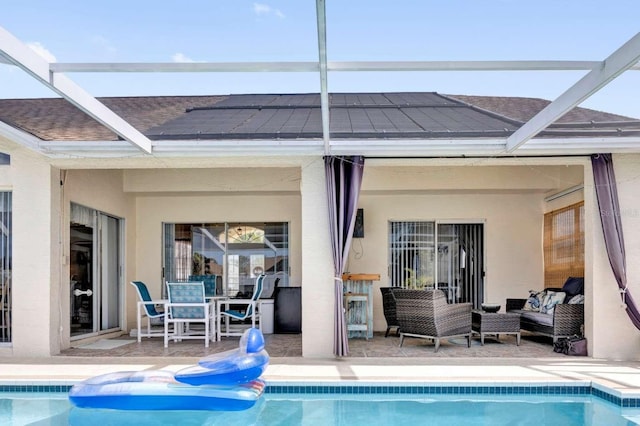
x=36 y=253
x=153 y=210
x=318 y=290
x=100 y=190
x=611 y=333
x=512 y=231
x=244 y=195
x=508 y=200
x=251 y=178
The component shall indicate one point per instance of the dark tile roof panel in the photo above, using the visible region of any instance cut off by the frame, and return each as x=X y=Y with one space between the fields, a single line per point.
x=369 y=115
x=270 y=100
x=336 y=100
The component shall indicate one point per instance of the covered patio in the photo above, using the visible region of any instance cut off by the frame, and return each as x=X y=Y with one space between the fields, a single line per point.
x=496 y=162
x=290 y=346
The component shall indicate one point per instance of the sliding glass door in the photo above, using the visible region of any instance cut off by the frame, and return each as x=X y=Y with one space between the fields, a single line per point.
x=236 y=253
x=109 y=246
x=446 y=256
x=95 y=272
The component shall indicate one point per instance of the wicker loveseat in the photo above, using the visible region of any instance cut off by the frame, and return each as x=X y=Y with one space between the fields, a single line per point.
x=426 y=314
x=566 y=318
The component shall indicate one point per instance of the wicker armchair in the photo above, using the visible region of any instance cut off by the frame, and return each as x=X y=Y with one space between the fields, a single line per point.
x=389 y=309
x=426 y=314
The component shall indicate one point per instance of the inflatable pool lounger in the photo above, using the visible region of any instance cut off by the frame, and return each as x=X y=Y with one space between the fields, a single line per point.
x=227 y=381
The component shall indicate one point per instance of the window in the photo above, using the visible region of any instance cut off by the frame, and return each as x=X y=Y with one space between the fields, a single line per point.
x=235 y=252
x=563 y=244
x=412 y=254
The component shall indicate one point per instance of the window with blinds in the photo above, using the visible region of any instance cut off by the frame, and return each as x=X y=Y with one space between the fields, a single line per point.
x=412 y=253
x=563 y=244
x=446 y=256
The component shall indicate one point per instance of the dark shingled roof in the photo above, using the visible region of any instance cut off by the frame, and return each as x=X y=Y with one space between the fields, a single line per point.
x=298 y=116
x=57 y=119
x=523 y=109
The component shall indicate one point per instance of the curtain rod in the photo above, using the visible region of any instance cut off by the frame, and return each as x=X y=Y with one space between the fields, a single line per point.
x=564 y=192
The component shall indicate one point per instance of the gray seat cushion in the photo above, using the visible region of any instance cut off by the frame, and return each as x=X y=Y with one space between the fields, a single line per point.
x=537 y=317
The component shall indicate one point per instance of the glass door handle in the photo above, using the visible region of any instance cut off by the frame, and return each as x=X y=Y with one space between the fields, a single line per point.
x=78 y=292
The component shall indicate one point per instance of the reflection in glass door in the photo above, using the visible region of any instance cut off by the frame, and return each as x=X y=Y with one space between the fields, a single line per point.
x=461 y=262
x=235 y=253
x=94 y=269
x=109 y=244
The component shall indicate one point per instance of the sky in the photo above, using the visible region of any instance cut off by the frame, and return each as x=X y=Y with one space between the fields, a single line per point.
x=357 y=30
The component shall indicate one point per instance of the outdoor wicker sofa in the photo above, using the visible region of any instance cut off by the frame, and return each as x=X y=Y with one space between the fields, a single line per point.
x=566 y=318
x=426 y=314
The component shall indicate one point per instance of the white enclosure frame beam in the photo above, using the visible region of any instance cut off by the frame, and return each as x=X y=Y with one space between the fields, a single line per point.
x=24 y=57
x=332 y=66
x=147 y=67
x=618 y=62
x=322 y=61
x=394 y=66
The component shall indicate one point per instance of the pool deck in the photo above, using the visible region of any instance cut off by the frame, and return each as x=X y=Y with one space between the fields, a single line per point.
x=619 y=378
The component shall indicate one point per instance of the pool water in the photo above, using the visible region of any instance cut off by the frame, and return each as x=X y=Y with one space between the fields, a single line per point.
x=54 y=409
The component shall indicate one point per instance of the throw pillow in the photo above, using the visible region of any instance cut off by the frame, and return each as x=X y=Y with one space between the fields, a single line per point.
x=576 y=300
x=551 y=299
x=574 y=285
x=534 y=302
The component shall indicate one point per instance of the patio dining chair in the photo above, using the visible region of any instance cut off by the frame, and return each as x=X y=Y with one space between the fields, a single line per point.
x=245 y=309
x=187 y=306
x=147 y=307
x=210 y=289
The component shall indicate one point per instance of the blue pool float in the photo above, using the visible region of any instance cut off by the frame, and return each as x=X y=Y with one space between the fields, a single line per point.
x=228 y=381
x=241 y=365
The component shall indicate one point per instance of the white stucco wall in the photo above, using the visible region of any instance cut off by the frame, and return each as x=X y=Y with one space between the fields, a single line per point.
x=612 y=334
x=101 y=190
x=512 y=231
x=153 y=210
x=318 y=289
x=245 y=195
x=245 y=178
x=36 y=253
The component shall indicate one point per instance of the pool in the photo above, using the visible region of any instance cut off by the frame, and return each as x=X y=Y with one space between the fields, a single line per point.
x=354 y=405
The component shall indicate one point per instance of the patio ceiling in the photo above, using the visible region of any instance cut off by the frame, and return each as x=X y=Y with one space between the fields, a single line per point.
x=526 y=140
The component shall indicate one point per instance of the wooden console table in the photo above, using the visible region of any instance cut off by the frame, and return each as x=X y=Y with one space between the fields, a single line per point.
x=358 y=303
